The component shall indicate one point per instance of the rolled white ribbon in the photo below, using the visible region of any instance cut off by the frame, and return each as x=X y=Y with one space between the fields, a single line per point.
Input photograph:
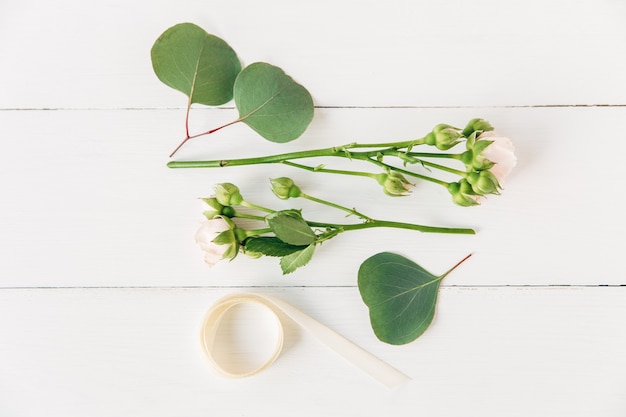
x=368 y=363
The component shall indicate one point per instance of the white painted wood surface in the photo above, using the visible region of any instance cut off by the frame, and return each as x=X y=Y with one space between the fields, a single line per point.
x=102 y=288
x=491 y=351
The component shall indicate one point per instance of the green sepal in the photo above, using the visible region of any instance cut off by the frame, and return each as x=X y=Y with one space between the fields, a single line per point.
x=481 y=145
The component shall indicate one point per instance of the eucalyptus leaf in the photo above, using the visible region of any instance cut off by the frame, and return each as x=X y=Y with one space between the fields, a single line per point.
x=290 y=263
x=272 y=103
x=202 y=66
x=401 y=296
x=291 y=228
x=271 y=246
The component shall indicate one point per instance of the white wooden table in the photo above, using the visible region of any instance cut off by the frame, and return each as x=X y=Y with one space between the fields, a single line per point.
x=102 y=288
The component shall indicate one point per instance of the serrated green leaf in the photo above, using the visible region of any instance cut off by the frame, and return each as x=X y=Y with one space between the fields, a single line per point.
x=290 y=263
x=291 y=228
x=202 y=66
x=271 y=246
x=401 y=296
x=272 y=103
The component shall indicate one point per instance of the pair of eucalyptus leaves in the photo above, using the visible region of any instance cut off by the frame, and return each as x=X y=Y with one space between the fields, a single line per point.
x=400 y=294
x=207 y=70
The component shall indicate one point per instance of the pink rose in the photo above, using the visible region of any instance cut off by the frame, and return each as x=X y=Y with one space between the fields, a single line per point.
x=216 y=249
x=501 y=152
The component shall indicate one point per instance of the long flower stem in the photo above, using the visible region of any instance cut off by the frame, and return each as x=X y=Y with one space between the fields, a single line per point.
x=395 y=145
x=434 y=165
x=407 y=172
x=398 y=225
x=435 y=155
x=381 y=164
x=341 y=151
x=256 y=207
x=330 y=171
x=271 y=159
x=248 y=216
x=337 y=206
x=257 y=232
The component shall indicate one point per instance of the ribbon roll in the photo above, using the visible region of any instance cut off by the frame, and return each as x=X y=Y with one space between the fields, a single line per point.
x=362 y=359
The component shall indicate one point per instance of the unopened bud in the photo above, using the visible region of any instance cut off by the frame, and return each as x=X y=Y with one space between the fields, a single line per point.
x=443 y=137
x=228 y=194
x=284 y=188
x=477 y=126
x=462 y=193
x=483 y=182
x=394 y=184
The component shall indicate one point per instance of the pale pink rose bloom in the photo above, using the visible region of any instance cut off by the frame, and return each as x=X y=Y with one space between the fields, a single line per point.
x=501 y=152
x=208 y=231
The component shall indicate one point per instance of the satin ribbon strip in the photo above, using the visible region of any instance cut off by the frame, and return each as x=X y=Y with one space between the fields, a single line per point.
x=362 y=359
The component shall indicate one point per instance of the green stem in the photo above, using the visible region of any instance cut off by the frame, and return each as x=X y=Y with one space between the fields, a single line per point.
x=398 y=225
x=410 y=173
x=254 y=206
x=328 y=235
x=330 y=171
x=271 y=159
x=434 y=165
x=341 y=151
x=337 y=206
x=241 y=215
x=456 y=156
x=250 y=233
x=394 y=145
x=336 y=151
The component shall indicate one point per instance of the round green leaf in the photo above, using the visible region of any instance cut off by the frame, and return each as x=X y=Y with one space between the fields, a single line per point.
x=401 y=297
x=198 y=64
x=272 y=103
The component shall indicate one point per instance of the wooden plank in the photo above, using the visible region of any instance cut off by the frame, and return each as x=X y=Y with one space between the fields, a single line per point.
x=87 y=200
x=500 y=351
x=349 y=53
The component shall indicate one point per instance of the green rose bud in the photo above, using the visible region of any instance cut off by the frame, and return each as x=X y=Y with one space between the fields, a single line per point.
x=483 y=182
x=394 y=184
x=443 y=137
x=462 y=193
x=477 y=126
x=228 y=194
x=284 y=188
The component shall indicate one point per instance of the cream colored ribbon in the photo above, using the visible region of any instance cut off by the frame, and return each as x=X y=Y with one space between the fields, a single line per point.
x=362 y=359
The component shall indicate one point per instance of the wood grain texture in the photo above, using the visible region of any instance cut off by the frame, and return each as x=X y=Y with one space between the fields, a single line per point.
x=351 y=53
